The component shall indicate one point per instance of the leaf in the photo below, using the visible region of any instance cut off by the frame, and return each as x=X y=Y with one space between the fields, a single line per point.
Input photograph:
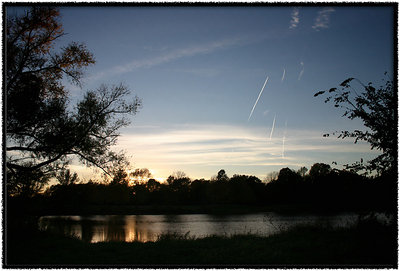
x=370 y=88
x=346 y=82
x=332 y=90
x=319 y=93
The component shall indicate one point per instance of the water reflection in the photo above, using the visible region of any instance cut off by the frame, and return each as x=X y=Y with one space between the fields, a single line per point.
x=139 y=228
x=144 y=228
x=115 y=228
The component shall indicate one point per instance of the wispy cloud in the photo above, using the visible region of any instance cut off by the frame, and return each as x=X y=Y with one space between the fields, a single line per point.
x=323 y=18
x=207 y=148
x=259 y=95
x=295 y=18
x=166 y=57
x=283 y=75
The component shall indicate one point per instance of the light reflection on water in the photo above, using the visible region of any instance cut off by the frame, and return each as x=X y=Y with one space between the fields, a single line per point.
x=144 y=228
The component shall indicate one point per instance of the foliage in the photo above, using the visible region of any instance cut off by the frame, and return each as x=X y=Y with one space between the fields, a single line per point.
x=272 y=176
x=319 y=170
x=221 y=176
x=287 y=175
x=178 y=179
x=27 y=184
x=140 y=175
x=302 y=171
x=65 y=177
x=322 y=188
x=120 y=176
x=43 y=131
x=377 y=109
x=153 y=185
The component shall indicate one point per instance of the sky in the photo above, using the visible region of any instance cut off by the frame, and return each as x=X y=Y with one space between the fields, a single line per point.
x=233 y=87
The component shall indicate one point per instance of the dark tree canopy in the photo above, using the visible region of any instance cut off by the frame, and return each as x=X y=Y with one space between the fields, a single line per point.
x=141 y=175
x=43 y=132
x=65 y=177
x=376 y=107
x=222 y=176
x=319 y=170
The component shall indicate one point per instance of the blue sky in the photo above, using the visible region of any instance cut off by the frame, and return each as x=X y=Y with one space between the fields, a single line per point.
x=199 y=71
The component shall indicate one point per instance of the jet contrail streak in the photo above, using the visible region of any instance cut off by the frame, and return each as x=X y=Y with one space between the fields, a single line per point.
x=283 y=75
x=301 y=74
x=272 y=129
x=302 y=70
x=259 y=95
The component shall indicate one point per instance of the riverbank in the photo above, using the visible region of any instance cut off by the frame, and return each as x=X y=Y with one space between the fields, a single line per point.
x=368 y=244
x=41 y=208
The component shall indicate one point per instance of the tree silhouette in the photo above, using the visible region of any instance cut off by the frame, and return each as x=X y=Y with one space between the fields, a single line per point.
x=272 y=176
x=178 y=179
x=302 y=171
x=288 y=176
x=65 y=177
x=221 y=176
x=319 y=170
x=377 y=108
x=153 y=185
x=27 y=184
x=120 y=176
x=42 y=133
x=140 y=175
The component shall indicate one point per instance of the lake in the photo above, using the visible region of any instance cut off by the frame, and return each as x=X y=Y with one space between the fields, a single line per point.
x=144 y=228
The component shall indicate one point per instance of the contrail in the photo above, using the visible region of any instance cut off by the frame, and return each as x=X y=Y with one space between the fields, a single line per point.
x=302 y=70
x=283 y=75
x=259 y=95
x=272 y=129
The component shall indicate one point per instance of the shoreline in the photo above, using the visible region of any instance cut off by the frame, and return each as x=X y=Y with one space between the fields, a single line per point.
x=215 y=209
x=367 y=244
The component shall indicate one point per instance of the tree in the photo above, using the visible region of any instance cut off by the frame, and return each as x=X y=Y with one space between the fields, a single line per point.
x=302 y=171
x=319 y=170
x=140 y=175
x=178 y=179
x=43 y=132
x=120 y=176
x=27 y=184
x=377 y=109
x=153 y=185
x=221 y=176
x=65 y=177
x=288 y=176
x=272 y=176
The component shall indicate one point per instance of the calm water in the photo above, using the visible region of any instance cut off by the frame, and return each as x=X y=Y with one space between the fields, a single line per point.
x=143 y=228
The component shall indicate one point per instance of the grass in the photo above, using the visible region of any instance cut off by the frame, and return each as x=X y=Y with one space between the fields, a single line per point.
x=367 y=244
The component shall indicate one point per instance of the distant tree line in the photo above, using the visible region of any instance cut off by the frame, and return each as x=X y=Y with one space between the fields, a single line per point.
x=321 y=186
